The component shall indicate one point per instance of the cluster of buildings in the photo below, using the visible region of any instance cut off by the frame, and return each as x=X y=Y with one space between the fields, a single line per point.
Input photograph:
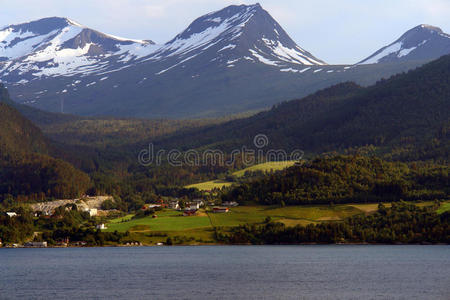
x=190 y=208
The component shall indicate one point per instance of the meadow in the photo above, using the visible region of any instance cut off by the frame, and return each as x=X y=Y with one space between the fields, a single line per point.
x=264 y=167
x=199 y=229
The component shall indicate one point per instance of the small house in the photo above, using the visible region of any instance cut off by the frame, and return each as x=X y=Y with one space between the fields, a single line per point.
x=174 y=204
x=11 y=214
x=193 y=205
x=199 y=201
x=101 y=226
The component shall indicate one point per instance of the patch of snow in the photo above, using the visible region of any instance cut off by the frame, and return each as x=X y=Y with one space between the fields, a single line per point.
x=316 y=71
x=181 y=62
x=383 y=53
x=289 y=70
x=103 y=78
x=405 y=52
x=291 y=55
x=216 y=20
x=230 y=62
x=126 y=40
x=136 y=51
x=230 y=46
x=304 y=70
x=263 y=59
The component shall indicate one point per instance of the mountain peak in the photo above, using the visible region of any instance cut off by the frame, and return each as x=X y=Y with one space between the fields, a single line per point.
x=429 y=27
x=237 y=34
x=423 y=42
x=43 y=26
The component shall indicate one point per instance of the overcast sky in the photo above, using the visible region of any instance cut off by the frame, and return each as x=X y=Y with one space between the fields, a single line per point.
x=337 y=31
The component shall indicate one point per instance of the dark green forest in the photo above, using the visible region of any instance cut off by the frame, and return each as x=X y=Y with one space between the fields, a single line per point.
x=346 y=179
x=27 y=171
x=403 y=223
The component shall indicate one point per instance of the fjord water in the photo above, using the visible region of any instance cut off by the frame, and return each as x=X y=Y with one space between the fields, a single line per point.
x=238 y=272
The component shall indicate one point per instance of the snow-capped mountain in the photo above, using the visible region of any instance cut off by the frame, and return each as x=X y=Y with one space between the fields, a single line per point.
x=59 y=46
x=233 y=60
x=62 y=47
x=423 y=42
x=232 y=35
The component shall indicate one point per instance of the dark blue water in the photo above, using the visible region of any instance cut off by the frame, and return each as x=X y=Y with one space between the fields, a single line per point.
x=232 y=272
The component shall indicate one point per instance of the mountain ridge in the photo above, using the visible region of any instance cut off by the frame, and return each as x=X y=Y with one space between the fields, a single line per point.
x=230 y=61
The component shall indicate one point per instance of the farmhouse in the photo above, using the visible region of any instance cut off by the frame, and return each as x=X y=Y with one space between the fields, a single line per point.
x=199 y=201
x=101 y=226
x=193 y=205
x=174 y=204
x=220 y=209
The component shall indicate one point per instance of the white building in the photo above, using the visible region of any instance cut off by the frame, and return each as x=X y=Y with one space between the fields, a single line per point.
x=102 y=226
x=11 y=214
x=193 y=206
x=174 y=204
x=92 y=211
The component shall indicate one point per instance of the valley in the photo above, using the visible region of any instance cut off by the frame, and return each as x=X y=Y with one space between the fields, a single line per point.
x=83 y=115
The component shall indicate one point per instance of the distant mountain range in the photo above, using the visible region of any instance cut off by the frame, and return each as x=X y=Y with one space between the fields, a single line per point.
x=233 y=60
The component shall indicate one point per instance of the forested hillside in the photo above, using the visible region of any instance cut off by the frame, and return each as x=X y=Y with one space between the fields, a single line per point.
x=408 y=113
x=402 y=223
x=346 y=179
x=27 y=171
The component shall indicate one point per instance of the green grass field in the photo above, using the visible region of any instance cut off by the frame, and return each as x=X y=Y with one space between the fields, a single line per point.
x=209 y=185
x=268 y=166
x=173 y=221
x=444 y=208
x=167 y=220
x=200 y=228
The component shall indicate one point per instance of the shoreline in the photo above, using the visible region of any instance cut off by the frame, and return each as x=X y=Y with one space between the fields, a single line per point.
x=248 y=245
